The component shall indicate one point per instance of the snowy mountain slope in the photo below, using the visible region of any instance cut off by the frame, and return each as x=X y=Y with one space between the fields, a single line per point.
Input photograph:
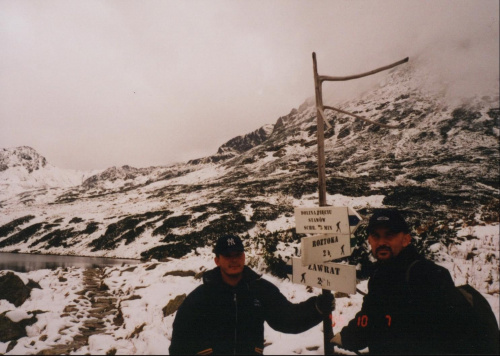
x=22 y=169
x=25 y=157
x=440 y=167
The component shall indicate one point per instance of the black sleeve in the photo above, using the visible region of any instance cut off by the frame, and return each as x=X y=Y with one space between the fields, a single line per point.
x=355 y=334
x=285 y=316
x=185 y=335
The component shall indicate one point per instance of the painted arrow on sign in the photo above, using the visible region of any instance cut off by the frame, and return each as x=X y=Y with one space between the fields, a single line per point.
x=321 y=248
x=333 y=276
x=327 y=220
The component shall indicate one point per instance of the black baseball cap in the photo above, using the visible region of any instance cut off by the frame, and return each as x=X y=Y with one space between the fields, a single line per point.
x=389 y=218
x=228 y=243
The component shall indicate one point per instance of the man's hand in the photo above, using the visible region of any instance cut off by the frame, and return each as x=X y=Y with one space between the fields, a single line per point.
x=337 y=340
x=325 y=303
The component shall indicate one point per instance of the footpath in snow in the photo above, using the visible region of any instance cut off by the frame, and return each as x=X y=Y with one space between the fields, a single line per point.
x=130 y=309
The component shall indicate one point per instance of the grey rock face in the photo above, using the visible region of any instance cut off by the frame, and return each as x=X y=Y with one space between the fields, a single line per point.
x=23 y=156
x=13 y=289
x=10 y=330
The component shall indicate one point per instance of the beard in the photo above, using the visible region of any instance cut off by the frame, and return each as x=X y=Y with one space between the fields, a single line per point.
x=384 y=253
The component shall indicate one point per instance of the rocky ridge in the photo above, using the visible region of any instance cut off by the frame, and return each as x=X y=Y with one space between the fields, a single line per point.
x=440 y=167
x=23 y=156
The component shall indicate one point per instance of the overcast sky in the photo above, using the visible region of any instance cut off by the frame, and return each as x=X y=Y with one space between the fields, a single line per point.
x=94 y=84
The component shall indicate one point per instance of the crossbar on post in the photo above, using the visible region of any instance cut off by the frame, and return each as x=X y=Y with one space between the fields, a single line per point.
x=360 y=117
x=323 y=78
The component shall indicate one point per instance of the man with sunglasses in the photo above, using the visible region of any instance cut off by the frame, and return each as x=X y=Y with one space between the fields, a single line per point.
x=226 y=314
x=412 y=306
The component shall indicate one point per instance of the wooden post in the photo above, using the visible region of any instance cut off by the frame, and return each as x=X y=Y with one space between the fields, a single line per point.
x=321 y=137
x=321 y=120
x=327 y=322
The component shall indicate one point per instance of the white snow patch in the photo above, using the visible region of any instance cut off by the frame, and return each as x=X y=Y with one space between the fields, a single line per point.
x=155 y=289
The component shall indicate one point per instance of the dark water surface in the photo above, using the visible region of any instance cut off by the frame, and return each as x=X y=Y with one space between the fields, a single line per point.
x=25 y=262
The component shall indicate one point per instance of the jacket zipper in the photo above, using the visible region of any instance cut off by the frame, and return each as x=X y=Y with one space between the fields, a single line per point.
x=236 y=322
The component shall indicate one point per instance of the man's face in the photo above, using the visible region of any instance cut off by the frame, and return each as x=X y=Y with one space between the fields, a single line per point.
x=231 y=264
x=386 y=244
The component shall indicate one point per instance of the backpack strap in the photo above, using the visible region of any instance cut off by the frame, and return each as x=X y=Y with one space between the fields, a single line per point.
x=467 y=295
x=407 y=278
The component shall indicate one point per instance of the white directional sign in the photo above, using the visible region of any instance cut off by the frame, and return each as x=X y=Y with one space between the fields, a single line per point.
x=326 y=220
x=321 y=248
x=333 y=276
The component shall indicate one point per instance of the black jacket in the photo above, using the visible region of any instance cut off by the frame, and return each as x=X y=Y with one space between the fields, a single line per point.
x=409 y=310
x=218 y=318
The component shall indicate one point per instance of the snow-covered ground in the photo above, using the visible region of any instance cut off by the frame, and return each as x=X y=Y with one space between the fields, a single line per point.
x=142 y=292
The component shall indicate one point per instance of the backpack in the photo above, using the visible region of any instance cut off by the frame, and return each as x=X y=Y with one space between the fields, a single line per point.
x=483 y=322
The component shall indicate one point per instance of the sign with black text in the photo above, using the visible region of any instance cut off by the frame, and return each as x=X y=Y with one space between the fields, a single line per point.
x=327 y=275
x=321 y=248
x=326 y=220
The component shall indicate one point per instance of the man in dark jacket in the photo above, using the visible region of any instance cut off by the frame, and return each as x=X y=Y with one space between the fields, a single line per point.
x=226 y=314
x=412 y=306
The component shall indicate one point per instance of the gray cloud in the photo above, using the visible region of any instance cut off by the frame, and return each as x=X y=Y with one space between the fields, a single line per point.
x=92 y=84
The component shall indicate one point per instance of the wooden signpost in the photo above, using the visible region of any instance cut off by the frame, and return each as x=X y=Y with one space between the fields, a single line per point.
x=330 y=220
x=320 y=248
x=325 y=275
x=335 y=224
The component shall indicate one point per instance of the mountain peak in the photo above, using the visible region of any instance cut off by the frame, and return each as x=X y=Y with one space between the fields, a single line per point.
x=238 y=145
x=23 y=156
